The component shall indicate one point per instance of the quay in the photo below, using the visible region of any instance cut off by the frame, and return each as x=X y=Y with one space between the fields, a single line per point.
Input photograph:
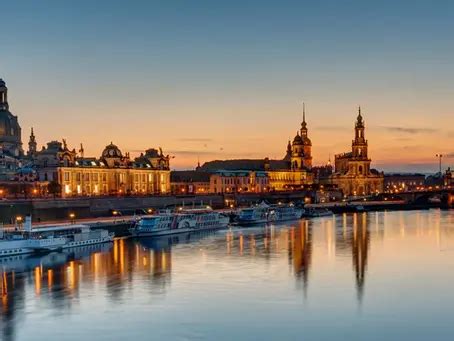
x=120 y=224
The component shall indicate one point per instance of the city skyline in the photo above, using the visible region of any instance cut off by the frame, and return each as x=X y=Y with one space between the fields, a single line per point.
x=229 y=83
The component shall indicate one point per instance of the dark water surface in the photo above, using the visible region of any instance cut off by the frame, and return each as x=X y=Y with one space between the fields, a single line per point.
x=381 y=276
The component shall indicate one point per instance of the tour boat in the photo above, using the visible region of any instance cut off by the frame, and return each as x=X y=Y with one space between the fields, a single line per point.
x=253 y=215
x=284 y=213
x=182 y=221
x=315 y=213
x=49 y=238
x=264 y=213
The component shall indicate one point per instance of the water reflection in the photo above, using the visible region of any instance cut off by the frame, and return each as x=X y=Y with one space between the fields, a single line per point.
x=58 y=282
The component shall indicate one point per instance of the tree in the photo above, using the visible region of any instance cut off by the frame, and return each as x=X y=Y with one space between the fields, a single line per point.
x=54 y=188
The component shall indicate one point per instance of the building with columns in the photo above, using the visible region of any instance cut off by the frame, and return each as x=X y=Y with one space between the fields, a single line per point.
x=352 y=172
x=114 y=173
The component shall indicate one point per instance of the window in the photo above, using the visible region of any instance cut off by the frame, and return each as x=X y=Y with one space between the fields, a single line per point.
x=66 y=175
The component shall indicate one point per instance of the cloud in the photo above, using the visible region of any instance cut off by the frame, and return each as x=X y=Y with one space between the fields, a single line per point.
x=410 y=130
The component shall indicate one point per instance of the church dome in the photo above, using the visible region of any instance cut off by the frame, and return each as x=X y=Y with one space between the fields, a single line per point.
x=111 y=150
x=297 y=140
x=10 y=130
x=307 y=141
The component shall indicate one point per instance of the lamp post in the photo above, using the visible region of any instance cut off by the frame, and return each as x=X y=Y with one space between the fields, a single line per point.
x=72 y=216
x=439 y=156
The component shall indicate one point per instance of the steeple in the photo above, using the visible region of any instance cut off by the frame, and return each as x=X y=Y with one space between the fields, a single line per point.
x=359 y=144
x=304 y=124
x=359 y=119
x=32 y=145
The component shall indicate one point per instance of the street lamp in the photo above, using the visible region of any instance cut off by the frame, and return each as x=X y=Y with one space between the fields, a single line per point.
x=72 y=216
x=439 y=156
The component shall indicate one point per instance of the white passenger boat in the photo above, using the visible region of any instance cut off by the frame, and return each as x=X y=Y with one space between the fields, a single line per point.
x=264 y=213
x=253 y=215
x=182 y=221
x=315 y=213
x=284 y=213
x=49 y=238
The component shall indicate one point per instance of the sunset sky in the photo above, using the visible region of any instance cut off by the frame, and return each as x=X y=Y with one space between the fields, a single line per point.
x=217 y=80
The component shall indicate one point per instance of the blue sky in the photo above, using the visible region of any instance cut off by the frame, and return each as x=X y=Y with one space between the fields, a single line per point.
x=213 y=79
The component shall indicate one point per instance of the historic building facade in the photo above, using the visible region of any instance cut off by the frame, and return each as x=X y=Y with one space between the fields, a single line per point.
x=189 y=182
x=352 y=172
x=401 y=182
x=111 y=174
x=10 y=137
x=239 y=181
x=291 y=172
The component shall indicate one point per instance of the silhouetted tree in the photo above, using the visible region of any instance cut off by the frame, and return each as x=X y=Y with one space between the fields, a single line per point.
x=54 y=188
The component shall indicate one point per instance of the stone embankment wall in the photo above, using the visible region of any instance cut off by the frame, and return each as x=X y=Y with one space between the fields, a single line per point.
x=59 y=209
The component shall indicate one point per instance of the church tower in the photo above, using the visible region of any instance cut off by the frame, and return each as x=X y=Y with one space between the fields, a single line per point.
x=32 y=145
x=359 y=144
x=359 y=148
x=307 y=143
x=301 y=147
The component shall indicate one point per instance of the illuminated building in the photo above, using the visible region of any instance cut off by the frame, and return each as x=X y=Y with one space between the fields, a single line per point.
x=404 y=182
x=293 y=171
x=448 y=178
x=112 y=173
x=238 y=181
x=189 y=182
x=10 y=137
x=352 y=173
x=10 y=130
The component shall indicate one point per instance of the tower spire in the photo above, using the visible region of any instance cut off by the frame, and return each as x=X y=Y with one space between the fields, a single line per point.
x=304 y=112
x=32 y=145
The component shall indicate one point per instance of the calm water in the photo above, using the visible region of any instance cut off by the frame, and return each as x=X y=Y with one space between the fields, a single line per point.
x=356 y=276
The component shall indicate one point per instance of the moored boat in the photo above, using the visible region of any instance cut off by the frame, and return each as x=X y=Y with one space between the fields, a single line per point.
x=315 y=213
x=253 y=215
x=49 y=238
x=264 y=213
x=182 y=221
x=278 y=213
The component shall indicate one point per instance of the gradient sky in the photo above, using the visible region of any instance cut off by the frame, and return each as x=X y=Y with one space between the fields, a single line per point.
x=214 y=79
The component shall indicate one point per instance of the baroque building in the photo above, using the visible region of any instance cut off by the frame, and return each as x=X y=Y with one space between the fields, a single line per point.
x=10 y=137
x=10 y=130
x=114 y=173
x=352 y=173
x=293 y=171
